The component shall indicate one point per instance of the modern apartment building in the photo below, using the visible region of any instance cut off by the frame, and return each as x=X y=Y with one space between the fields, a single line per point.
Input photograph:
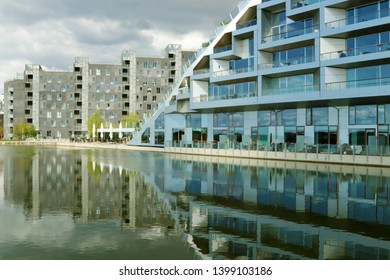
x=305 y=72
x=59 y=103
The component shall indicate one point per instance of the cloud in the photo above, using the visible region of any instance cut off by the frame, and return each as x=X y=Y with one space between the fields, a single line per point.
x=53 y=32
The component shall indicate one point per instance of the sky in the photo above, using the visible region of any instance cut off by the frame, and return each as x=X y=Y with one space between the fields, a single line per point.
x=53 y=32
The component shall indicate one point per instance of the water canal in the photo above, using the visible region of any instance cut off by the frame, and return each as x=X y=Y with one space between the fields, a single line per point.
x=58 y=203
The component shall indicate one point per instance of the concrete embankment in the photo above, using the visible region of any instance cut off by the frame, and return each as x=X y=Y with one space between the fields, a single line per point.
x=322 y=158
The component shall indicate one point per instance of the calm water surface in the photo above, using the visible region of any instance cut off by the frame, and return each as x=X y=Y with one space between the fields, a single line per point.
x=97 y=204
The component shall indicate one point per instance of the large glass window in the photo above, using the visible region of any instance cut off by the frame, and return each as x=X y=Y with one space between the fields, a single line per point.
x=287 y=117
x=363 y=115
x=367 y=12
x=193 y=120
x=220 y=120
x=236 y=119
x=368 y=76
x=232 y=91
x=317 y=116
x=293 y=56
x=160 y=122
x=265 y=118
x=291 y=84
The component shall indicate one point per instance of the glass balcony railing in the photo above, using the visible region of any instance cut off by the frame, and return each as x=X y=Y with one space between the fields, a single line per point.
x=303 y=3
x=291 y=90
x=357 y=19
x=246 y=24
x=293 y=32
x=225 y=96
x=356 y=51
x=385 y=81
x=234 y=71
x=184 y=90
x=201 y=71
x=287 y=62
x=223 y=49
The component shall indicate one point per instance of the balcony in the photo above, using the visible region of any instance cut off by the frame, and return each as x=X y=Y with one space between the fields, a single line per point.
x=303 y=3
x=236 y=71
x=184 y=90
x=202 y=71
x=226 y=96
x=356 y=51
x=293 y=31
x=291 y=90
x=226 y=92
x=223 y=49
x=385 y=81
x=246 y=24
x=357 y=19
x=287 y=62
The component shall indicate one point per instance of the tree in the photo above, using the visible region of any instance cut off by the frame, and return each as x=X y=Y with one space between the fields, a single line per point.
x=96 y=119
x=205 y=44
x=23 y=129
x=130 y=120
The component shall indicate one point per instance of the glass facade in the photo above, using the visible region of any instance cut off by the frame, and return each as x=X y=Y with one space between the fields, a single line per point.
x=368 y=76
x=293 y=56
x=317 y=116
x=160 y=122
x=232 y=91
x=291 y=84
x=367 y=12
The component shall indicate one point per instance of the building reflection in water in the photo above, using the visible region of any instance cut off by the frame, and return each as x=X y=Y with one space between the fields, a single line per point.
x=223 y=208
x=57 y=181
x=274 y=210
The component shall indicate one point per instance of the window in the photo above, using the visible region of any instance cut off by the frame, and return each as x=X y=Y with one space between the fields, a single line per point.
x=59 y=97
x=287 y=117
x=112 y=80
x=148 y=107
x=160 y=122
x=154 y=82
x=194 y=120
x=49 y=79
x=53 y=87
x=59 y=79
x=102 y=80
x=145 y=64
x=220 y=120
x=98 y=73
x=363 y=115
x=317 y=116
x=154 y=64
x=293 y=56
x=108 y=88
x=108 y=72
x=145 y=98
x=59 y=115
x=48 y=115
x=265 y=118
x=98 y=88
x=63 y=88
x=236 y=119
x=158 y=90
x=154 y=98
x=48 y=96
